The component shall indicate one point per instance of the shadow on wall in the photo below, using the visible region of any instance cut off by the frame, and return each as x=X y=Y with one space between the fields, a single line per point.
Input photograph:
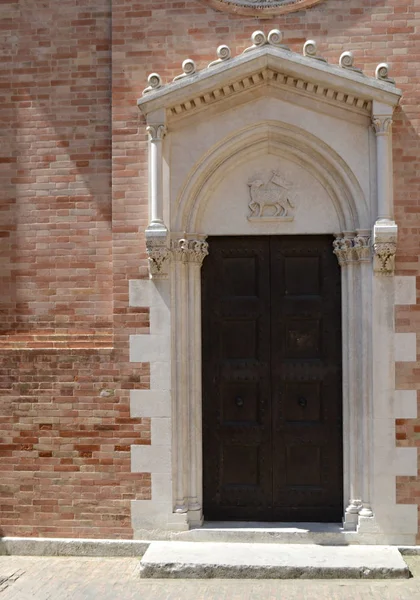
x=56 y=222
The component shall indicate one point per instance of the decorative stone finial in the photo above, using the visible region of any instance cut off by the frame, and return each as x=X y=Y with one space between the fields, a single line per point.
x=223 y=54
x=189 y=67
x=275 y=37
x=347 y=60
x=155 y=82
x=258 y=39
x=309 y=49
x=382 y=71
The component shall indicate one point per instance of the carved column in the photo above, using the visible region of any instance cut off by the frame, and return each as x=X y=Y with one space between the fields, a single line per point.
x=344 y=250
x=180 y=399
x=354 y=255
x=363 y=252
x=187 y=255
x=156 y=232
x=198 y=250
x=385 y=229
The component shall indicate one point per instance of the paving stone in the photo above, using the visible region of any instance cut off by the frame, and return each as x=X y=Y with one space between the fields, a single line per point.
x=65 y=578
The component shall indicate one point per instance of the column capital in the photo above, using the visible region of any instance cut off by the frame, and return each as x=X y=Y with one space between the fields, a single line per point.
x=189 y=250
x=362 y=245
x=382 y=124
x=156 y=132
x=179 y=250
x=385 y=234
x=343 y=248
x=158 y=256
x=352 y=247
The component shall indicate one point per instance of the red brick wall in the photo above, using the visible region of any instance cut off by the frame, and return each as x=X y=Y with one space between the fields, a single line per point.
x=68 y=251
x=65 y=379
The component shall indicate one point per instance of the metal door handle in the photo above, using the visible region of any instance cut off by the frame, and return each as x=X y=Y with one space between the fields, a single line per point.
x=302 y=402
x=239 y=401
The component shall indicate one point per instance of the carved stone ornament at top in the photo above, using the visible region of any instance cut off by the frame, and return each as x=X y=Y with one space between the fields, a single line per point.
x=362 y=246
x=159 y=256
x=156 y=132
x=343 y=248
x=385 y=234
x=264 y=9
x=382 y=125
x=350 y=248
x=187 y=250
x=271 y=199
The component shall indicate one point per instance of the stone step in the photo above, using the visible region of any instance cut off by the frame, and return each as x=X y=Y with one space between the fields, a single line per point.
x=331 y=534
x=205 y=560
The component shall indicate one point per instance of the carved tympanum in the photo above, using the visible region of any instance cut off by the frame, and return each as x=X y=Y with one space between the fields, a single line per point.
x=271 y=199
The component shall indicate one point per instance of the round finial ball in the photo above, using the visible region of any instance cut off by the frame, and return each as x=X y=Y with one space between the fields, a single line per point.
x=382 y=71
x=275 y=37
x=309 y=48
x=189 y=66
x=223 y=52
x=346 y=59
x=154 y=80
x=258 y=38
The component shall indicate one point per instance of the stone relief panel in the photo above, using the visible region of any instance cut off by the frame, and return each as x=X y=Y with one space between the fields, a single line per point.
x=280 y=197
x=271 y=199
x=260 y=8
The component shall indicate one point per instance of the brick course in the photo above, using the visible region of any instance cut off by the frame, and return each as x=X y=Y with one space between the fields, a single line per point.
x=71 y=222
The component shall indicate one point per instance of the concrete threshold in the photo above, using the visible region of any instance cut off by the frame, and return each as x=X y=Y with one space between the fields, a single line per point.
x=277 y=533
x=205 y=560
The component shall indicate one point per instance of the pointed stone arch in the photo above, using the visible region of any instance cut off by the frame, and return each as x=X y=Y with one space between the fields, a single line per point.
x=346 y=195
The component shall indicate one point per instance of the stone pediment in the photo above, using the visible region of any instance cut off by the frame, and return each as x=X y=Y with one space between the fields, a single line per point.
x=269 y=63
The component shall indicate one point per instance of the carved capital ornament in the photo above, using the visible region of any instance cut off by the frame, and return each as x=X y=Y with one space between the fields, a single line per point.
x=156 y=132
x=382 y=125
x=185 y=250
x=350 y=248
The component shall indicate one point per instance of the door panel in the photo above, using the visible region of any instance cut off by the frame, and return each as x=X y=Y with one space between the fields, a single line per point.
x=272 y=425
x=306 y=379
x=236 y=379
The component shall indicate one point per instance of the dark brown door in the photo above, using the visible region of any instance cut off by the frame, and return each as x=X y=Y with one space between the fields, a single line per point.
x=272 y=399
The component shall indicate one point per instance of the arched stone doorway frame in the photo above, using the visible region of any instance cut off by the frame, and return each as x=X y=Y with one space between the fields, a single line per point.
x=365 y=247
x=349 y=202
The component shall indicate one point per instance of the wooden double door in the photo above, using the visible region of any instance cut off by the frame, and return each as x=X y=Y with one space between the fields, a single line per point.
x=272 y=383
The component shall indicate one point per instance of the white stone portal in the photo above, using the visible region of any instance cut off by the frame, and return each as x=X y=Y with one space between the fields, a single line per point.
x=273 y=143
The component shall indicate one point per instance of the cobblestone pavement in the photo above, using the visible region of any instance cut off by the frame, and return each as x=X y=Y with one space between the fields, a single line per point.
x=48 y=578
